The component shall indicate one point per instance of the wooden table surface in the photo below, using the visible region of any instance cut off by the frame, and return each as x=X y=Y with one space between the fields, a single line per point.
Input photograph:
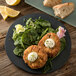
x=9 y=69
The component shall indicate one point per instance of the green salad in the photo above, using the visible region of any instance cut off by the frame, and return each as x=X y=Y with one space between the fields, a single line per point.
x=30 y=34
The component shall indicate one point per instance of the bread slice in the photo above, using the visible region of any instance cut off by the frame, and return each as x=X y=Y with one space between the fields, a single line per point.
x=51 y=3
x=63 y=10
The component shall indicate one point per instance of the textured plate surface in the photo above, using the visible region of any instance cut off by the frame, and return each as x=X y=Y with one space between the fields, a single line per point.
x=71 y=19
x=18 y=61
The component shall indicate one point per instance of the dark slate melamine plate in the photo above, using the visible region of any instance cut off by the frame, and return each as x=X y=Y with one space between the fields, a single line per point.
x=18 y=61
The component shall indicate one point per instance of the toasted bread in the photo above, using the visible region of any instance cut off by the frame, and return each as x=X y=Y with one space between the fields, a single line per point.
x=51 y=3
x=63 y=10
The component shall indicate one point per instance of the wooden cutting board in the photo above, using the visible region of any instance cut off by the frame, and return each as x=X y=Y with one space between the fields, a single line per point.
x=71 y=19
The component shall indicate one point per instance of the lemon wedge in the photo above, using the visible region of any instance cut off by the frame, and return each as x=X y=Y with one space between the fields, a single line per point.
x=13 y=2
x=1 y=8
x=3 y=13
x=11 y=12
x=8 y=12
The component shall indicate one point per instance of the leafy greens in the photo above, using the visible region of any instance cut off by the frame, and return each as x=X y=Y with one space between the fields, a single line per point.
x=34 y=31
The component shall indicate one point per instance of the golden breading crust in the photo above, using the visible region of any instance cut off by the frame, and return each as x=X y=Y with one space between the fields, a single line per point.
x=51 y=51
x=41 y=60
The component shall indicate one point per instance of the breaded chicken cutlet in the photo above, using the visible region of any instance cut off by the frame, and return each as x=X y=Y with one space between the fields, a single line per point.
x=35 y=57
x=51 y=44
